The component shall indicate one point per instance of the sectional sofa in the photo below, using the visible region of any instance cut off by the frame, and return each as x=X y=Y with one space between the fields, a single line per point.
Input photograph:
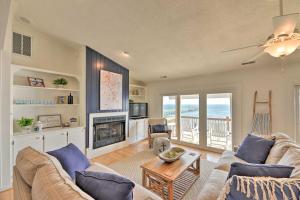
x=218 y=179
x=39 y=176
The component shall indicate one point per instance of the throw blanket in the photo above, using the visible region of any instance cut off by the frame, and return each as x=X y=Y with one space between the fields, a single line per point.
x=261 y=188
x=261 y=124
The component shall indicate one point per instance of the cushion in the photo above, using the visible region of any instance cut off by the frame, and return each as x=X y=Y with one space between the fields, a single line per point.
x=103 y=186
x=139 y=191
x=247 y=169
x=52 y=182
x=156 y=135
x=213 y=186
x=255 y=149
x=28 y=161
x=159 y=128
x=278 y=150
x=71 y=159
x=250 y=188
x=292 y=158
x=226 y=160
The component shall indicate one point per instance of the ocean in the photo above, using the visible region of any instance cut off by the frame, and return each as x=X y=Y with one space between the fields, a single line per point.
x=191 y=110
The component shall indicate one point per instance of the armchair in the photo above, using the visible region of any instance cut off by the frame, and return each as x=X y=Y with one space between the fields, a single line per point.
x=152 y=134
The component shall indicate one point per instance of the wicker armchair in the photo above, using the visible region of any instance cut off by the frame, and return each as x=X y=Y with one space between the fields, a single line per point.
x=152 y=136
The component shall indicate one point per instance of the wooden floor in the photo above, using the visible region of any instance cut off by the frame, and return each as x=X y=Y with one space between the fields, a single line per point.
x=123 y=153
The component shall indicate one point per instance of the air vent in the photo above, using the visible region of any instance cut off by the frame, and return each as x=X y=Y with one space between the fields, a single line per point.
x=21 y=44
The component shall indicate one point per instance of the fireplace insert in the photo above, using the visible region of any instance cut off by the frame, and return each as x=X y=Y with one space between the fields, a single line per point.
x=108 y=130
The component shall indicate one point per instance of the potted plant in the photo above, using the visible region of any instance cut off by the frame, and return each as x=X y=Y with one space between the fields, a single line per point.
x=25 y=123
x=61 y=82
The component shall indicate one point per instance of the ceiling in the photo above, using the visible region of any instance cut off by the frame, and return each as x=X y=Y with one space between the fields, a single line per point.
x=176 y=38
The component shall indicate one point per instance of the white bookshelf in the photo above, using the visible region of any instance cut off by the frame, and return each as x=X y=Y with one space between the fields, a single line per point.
x=31 y=101
x=137 y=93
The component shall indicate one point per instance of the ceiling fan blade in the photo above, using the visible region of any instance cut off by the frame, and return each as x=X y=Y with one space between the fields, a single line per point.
x=285 y=24
x=253 y=59
x=241 y=48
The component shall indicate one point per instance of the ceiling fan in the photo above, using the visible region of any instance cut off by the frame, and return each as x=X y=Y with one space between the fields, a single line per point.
x=284 y=41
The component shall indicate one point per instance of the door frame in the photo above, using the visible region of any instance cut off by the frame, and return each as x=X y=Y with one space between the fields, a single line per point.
x=203 y=115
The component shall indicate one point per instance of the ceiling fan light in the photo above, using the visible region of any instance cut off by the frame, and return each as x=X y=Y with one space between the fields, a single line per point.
x=282 y=48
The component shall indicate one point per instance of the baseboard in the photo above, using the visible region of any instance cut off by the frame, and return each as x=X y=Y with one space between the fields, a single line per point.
x=92 y=153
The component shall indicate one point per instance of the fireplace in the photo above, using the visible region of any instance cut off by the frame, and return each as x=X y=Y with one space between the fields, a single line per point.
x=108 y=130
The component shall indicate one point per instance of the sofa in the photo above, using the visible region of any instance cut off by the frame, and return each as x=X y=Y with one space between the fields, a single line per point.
x=218 y=179
x=40 y=176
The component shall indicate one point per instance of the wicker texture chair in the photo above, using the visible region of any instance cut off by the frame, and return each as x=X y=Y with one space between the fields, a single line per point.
x=151 y=135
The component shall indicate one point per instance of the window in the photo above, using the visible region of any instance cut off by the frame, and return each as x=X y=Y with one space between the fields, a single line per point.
x=189 y=118
x=210 y=127
x=169 y=112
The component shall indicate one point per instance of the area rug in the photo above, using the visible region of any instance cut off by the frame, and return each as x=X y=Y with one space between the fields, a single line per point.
x=130 y=168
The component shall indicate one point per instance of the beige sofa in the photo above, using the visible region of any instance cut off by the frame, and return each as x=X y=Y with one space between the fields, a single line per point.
x=39 y=176
x=278 y=155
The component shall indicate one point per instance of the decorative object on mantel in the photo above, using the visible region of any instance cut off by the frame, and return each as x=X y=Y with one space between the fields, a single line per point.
x=60 y=83
x=36 y=82
x=50 y=121
x=25 y=124
x=70 y=99
x=171 y=155
x=38 y=126
x=74 y=121
x=61 y=100
x=66 y=124
x=110 y=90
x=35 y=101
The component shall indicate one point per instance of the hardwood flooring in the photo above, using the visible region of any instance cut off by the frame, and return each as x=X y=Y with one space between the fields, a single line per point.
x=123 y=153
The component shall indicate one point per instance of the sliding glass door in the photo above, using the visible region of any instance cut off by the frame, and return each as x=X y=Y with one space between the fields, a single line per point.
x=170 y=112
x=219 y=121
x=189 y=118
x=203 y=119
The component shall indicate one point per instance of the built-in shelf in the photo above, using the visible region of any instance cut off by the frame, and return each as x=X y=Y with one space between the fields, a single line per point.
x=42 y=105
x=137 y=93
x=45 y=88
x=134 y=95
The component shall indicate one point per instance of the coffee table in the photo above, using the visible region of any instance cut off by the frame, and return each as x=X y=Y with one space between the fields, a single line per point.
x=158 y=175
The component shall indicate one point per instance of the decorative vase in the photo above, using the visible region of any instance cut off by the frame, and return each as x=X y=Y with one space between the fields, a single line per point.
x=26 y=129
x=60 y=86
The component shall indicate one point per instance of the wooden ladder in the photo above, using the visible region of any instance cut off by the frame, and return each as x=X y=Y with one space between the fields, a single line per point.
x=269 y=102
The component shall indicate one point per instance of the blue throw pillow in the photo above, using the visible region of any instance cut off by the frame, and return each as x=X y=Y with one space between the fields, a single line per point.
x=247 y=169
x=71 y=159
x=290 y=188
x=159 y=128
x=104 y=186
x=255 y=149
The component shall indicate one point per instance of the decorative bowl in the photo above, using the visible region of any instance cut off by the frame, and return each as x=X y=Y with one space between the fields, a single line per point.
x=172 y=154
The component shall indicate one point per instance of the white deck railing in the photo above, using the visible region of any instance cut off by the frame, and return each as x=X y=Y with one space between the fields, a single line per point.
x=218 y=130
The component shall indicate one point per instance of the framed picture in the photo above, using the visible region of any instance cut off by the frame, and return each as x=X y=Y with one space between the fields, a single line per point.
x=50 y=121
x=36 y=82
x=110 y=90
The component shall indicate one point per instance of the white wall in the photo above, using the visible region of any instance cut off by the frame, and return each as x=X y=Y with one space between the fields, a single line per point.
x=4 y=13
x=5 y=52
x=48 y=52
x=244 y=83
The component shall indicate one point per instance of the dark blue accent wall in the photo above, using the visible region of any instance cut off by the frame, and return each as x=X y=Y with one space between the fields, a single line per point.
x=94 y=63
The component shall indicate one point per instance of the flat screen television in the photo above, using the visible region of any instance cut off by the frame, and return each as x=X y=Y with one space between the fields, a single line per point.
x=138 y=110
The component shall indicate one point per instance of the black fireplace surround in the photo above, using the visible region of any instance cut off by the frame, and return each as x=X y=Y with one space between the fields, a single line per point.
x=108 y=130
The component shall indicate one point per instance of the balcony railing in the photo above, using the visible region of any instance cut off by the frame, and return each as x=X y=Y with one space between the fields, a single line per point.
x=218 y=131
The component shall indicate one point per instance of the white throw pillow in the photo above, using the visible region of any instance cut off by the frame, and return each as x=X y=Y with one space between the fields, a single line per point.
x=292 y=158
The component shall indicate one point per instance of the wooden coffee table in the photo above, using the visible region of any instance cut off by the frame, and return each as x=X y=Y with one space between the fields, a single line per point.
x=157 y=174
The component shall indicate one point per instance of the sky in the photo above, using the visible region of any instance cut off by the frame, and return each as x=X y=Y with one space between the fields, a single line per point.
x=210 y=101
